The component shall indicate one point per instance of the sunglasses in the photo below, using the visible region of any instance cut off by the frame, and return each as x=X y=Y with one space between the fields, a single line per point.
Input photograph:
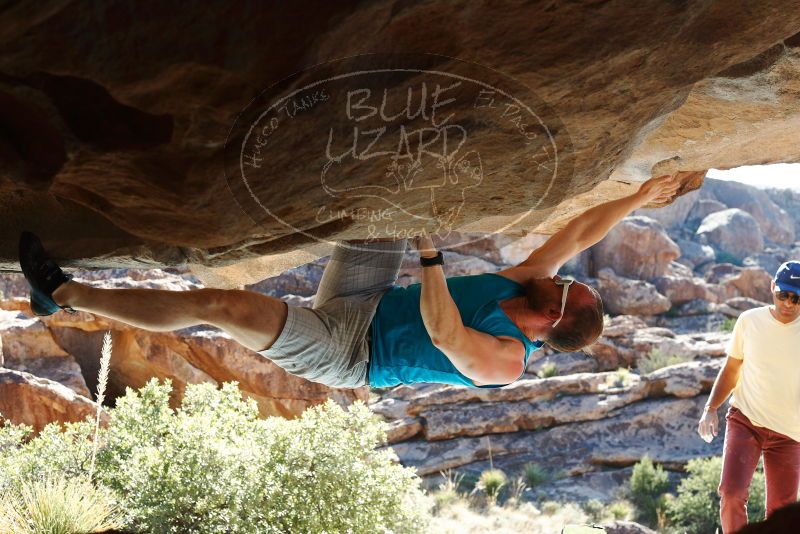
x=794 y=298
x=565 y=283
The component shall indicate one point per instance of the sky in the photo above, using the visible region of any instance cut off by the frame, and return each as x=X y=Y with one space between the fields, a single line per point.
x=779 y=175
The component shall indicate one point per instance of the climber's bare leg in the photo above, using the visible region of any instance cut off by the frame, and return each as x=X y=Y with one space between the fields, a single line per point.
x=252 y=319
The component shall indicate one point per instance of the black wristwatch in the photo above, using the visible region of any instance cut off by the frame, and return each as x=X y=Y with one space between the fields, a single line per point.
x=436 y=260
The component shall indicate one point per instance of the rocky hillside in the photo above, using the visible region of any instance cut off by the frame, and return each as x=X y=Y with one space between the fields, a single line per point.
x=673 y=281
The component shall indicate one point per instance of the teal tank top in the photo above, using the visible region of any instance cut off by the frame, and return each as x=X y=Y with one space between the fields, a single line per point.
x=401 y=350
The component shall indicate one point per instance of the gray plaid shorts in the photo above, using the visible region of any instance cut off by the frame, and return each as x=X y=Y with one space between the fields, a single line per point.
x=328 y=343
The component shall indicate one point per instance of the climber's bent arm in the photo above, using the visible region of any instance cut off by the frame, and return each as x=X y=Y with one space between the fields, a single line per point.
x=479 y=356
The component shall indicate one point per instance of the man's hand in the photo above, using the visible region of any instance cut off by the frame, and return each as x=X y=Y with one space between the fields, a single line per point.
x=708 y=425
x=659 y=189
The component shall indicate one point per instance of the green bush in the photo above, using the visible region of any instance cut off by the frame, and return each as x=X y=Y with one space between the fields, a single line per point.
x=648 y=483
x=728 y=324
x=594 y=509
x=535 y=474
x=491 y=482
x=548 y=370
x=696 y=507
x=56 y=505
x=656 y=359
x=620 y=510
x=213 y=466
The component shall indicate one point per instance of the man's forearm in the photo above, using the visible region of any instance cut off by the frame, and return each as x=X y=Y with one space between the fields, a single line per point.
x=593 y=224
x=723 y=386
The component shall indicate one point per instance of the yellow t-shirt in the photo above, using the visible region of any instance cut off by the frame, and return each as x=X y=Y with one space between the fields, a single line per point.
x=768 y=391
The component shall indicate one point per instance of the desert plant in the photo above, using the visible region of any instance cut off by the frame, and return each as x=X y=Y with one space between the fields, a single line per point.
x=56 y=505
x=620 y=510
x=621 y=378
x=516 y=491
x=695 y=508
x=657 y=359
x=491 y=482
x=102 y=381
x=648 y=483
x=535 y=474
x=594 y=509
x=728 y=324
x=548 y=370
x=213 y=466
x=550 y=507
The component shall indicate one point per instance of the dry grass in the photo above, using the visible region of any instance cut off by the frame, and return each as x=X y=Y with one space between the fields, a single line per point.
x=464 y=516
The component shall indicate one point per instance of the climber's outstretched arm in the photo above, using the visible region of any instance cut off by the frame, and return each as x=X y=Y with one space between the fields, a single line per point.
x=592 y=225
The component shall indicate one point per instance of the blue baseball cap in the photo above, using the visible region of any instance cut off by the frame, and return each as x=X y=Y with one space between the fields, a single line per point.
x=788 y=277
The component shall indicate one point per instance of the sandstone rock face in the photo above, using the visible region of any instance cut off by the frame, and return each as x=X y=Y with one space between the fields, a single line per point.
x=637 y=247
x=30 y=400
x=628 y=297
x=703 y=208
x=732 y=231
x=28 y=345
x=694 y=254
x=681 y=290
x=775 y=223
x=751 y=282
x=660 y=99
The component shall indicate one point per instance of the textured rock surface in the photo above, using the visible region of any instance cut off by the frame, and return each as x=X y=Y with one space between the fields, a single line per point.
x=637 y=247
x=30 y=400
x=119 y=158
x=733 y=231
x=630 y=297
x=28 y=345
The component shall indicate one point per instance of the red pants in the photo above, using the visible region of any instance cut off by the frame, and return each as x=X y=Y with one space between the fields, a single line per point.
x=744 y=444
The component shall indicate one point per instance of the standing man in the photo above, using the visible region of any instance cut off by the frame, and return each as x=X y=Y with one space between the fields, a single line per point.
x=763 y=372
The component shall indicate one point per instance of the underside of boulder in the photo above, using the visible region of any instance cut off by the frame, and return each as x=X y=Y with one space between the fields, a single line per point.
x=126 y=131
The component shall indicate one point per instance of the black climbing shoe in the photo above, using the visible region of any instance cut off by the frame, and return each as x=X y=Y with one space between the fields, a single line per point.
x=42 y=274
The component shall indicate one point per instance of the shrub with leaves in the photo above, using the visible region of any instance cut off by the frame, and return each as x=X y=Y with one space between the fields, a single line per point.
x=696 y=506
x=213 y=466
x=648 y=483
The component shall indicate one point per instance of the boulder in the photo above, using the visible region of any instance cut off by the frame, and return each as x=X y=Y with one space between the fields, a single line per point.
x=733 y=232
x=626 y=527
x=693 y=254
x=35 y=401
x=28 y=345
x=637 y=247
x=735 y=306
x=775 y=222
x=682 y=290
x=564 y=363
x=752 y=282
x=665 y=429
x=695 y=307
x=789 y=200
x=769 y=260
x=703 y=208
x=675 y=214
x=630 y=297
